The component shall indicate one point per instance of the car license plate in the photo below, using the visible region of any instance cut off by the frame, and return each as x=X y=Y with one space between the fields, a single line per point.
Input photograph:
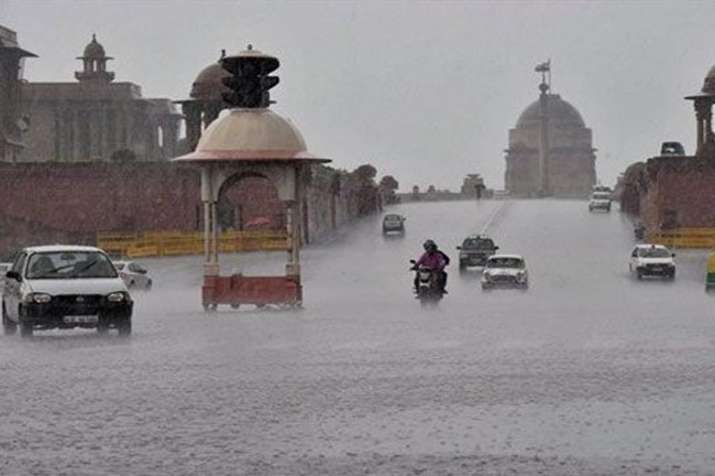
x=79 y=319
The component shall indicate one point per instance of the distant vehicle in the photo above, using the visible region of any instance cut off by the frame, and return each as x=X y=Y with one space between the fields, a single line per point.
x=475 y=251
x=134 y=275
x=393 y=223
x=61 y=286
x=710 y=276
x=652 y=260
x=505 y=270
x=672 y=148
x=600 y=201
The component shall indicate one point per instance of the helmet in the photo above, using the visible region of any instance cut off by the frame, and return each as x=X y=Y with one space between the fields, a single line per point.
x=429 y=245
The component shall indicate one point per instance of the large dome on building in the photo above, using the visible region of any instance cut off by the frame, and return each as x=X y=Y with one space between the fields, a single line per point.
x=561 y=114
x=709 y=84
x=94 y=49
x=208 y=84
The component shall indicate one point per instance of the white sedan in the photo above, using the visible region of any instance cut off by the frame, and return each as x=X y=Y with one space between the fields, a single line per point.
x=135 y=276
x=505 y=270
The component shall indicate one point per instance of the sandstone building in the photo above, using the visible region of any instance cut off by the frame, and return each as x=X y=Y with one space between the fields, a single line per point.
x=12 y=123
x=97 y=119
x=569 y=168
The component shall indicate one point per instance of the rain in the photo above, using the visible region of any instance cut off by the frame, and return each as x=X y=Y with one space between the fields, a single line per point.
x=268 y=247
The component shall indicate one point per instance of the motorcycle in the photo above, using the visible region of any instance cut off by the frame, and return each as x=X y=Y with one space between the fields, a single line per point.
x=428 y=288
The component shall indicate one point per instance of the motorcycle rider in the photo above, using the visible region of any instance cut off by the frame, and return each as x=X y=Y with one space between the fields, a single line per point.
x=436 y=260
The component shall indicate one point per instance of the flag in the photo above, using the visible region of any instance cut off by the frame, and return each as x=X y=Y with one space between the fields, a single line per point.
x=543 y=67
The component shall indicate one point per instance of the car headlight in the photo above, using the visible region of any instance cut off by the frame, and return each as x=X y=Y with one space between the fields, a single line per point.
x=118 y=297
x=38 y=298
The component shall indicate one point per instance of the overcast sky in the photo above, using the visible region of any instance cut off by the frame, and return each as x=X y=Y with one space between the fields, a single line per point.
x=424 y=91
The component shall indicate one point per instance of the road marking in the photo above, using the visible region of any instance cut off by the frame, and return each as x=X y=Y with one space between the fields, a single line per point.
x=492 y=218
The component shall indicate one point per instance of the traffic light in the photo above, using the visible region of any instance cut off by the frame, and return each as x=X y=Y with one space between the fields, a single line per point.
x=250 y=80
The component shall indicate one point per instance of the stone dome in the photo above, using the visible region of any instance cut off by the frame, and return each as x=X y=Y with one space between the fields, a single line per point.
x=250 y=135
x=208 y=85
x=561 y=114
x=709 y=84
x=94 y=49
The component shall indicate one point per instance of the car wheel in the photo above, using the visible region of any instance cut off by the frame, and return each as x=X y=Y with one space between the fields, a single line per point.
x=235 y=306
x=102 y=325
x=26 y=329
x=124 y=326
x=148 y=285
x=639 y=274
x=9 y=327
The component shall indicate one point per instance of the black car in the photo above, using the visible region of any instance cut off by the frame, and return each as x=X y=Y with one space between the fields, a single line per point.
x=393 y=223
x=475 y=251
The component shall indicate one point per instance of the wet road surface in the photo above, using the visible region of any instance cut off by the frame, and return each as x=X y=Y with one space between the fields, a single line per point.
x=588 y=372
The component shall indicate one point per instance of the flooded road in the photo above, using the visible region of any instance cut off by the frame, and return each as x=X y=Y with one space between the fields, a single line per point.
x=588 y=372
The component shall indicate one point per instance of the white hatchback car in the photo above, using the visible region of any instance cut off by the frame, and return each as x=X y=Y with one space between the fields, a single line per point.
x=652 y=260
x=61 y=286
x=505 y=270
x=135 y=276
x=600 y=201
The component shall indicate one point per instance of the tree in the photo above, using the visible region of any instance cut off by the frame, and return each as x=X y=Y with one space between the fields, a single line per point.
x=389 y=183
x=366 y=172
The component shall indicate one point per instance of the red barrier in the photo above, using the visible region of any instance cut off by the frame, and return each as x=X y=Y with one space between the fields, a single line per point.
x=259 y=290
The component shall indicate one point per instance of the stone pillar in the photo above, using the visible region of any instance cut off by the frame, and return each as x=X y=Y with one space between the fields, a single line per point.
x=192 y=117
x=708 y=123
x=702 y=110
x=123 y=129
x=76 y=135
x=544 y=186
x=171 y=136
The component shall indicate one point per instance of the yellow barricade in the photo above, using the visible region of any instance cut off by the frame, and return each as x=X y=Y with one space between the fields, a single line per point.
x=142 y=250
x=176 y=247
x=694 y=238
x=177 y=243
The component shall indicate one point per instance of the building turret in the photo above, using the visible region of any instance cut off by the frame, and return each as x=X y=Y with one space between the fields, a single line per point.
x=94 y=60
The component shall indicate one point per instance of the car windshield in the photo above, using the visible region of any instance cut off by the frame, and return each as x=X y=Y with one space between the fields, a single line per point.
x=478 y=243
x=601 y=196
x=653 y=253
x=505 y=263
x=393 y=218
x=69 y=265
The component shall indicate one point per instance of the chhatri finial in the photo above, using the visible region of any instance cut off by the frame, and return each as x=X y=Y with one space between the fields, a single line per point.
x=94 y=37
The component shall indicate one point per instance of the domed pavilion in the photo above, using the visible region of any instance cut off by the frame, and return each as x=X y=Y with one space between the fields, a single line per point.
x=703 y=102
x=566 y=166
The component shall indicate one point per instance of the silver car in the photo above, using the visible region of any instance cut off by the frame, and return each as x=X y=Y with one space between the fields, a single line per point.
x=135 y=276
